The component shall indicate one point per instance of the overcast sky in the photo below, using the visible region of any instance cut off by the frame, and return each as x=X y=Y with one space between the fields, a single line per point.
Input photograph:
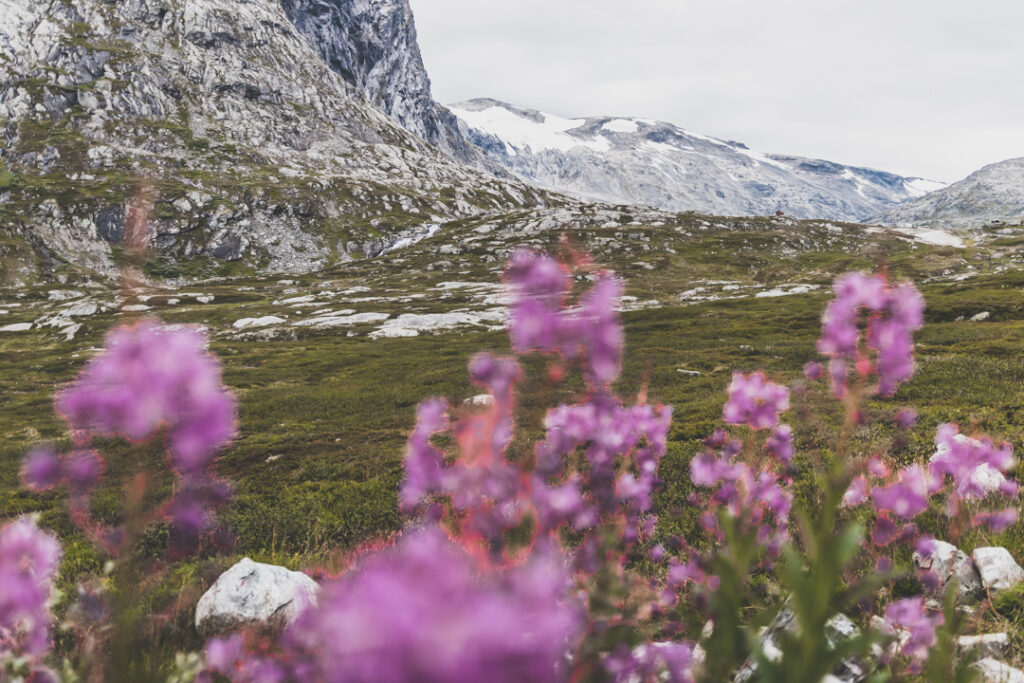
x=933 y=88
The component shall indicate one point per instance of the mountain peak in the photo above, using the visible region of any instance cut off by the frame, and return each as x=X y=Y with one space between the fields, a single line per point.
x=992 y=194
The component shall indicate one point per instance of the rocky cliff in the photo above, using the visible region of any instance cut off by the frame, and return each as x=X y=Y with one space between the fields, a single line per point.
x=372 y=44
x=214 y=132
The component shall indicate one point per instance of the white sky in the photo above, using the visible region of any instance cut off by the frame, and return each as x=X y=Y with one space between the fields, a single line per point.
x=932 y=88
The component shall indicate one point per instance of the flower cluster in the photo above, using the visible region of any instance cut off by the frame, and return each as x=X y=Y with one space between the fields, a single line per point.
x=919 y=625
x=489 y=494
x=540 y=321
x=974 y=468
x=28 y=563
x=148 y=376
x=747 y=492
x=894 y=314
x=755 y=401
x=422 y=611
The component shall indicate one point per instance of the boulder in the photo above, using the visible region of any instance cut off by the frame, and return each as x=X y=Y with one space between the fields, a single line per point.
x=998 y=570
x=254 y=594
x=948 y=562
x=994 y=671
x=986 y=645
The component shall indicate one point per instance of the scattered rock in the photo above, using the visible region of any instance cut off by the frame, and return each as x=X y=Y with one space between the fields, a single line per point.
x=205 y=299
x=948 y=562
x=246 y=323
x=16 y=327
x=998 y=570
x=135 y=308
x=994 y=671
x=986 y=645
x=254 y=594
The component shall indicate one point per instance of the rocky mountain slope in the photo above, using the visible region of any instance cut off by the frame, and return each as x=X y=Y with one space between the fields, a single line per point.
x=373 y=45
x=993 y=194
x=213 y=131
x=640 y=161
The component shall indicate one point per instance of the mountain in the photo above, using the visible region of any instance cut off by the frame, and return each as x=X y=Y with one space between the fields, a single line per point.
x=993 y=194
x=372 y=44
x=641 y=161
x=216 y=133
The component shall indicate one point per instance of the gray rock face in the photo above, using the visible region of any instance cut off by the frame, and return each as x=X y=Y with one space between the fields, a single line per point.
x=640 y=161
x=948 y=562
x=215 y=129
x=998 y=570
x=372 y=44
x=254 y=594
x=994 y=194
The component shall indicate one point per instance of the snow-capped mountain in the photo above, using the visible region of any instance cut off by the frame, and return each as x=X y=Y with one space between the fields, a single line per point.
x=995 y=193
x=641 y=161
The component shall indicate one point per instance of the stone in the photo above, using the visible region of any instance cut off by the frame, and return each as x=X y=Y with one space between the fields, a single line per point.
x=16 y=327
x=948 y=562
x=999 y=571
x=994 y=671
x=251 y=594
x=246 y=323
x=984 y=315
x=985 y=645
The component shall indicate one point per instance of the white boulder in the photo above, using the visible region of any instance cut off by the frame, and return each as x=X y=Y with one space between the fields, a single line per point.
x=986 y=645
x=994 y=671
x=254 y=594
x=949 y=562
x=999 y=571
x=246 y=323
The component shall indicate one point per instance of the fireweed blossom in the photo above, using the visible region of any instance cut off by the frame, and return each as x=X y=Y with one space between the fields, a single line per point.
x=489 y=495
x=423 y=612
x=893 y=315
x=148 y=376
x=755 y=401
x=28 y=563
x=912 y=616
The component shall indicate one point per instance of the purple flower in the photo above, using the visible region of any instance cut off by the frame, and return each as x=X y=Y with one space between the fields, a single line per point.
x=151 y=375
x=910 y=614
x=41 y=469
x=385 y=623
x=997 y=522
x=28 y=564
x=894 y=314
x=755 y=401
x=976 y=466
x=813 y=370
x=780 y=443
x=857 y=494
x=908 y=497
x=906 y=418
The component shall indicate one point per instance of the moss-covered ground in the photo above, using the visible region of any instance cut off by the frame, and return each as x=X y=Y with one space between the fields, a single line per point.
x=324 y=415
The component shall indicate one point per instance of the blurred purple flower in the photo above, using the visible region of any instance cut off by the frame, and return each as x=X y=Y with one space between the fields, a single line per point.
x=780 y=443
x=755 y=401
x=384 y=623
x=28 y=563
x=911 y=615
x=906 y=498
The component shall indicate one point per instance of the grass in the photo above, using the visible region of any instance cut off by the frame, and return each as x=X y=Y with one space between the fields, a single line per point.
x=324 y=416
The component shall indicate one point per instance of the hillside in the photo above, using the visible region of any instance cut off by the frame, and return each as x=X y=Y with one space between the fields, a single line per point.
x=994 y=194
